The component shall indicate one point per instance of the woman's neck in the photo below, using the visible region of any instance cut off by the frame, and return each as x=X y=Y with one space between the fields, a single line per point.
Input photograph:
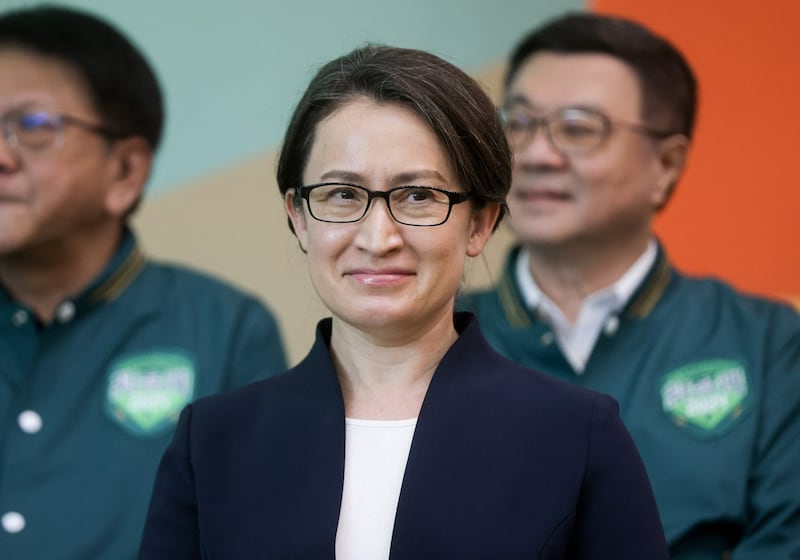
x=388 y=379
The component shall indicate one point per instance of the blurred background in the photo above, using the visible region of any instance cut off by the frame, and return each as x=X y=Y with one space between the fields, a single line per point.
x=233 y=70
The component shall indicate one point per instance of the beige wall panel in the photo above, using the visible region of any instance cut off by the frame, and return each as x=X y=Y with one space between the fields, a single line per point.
x=232 y=225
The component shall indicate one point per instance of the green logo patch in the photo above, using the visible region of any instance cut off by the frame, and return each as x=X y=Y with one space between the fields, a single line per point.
x=705 y=394
x=146 y=392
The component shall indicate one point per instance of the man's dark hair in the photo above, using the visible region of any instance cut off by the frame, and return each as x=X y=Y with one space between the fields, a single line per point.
x=121 y=84
x=667 y=84
x=454 y=105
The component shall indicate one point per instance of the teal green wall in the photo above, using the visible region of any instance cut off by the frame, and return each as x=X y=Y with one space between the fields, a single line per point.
x=233 y=69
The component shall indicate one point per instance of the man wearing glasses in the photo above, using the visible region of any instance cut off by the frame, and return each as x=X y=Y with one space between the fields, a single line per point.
x=100 y=349
x=599 y=112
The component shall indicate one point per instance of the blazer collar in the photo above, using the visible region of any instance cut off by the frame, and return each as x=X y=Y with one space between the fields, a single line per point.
x=316 y=373
x=318 y=404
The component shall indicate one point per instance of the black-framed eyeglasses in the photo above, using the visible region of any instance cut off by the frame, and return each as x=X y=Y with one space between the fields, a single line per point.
x=571 y=130
x=411 y=205
x=37 y=131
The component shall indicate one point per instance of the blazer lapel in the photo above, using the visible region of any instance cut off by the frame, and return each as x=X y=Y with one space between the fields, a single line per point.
x=436 y=494
x=310 y=488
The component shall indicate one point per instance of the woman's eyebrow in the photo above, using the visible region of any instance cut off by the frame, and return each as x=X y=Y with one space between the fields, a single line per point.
x=404 y=177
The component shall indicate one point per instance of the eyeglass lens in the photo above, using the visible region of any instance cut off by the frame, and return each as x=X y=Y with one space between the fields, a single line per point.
x=570 y=130
x=412 y=205
x=33 y=131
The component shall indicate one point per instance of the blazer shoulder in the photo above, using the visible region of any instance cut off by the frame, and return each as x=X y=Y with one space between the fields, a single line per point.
x=495 y=385
x=308 y=389
x=540 y=386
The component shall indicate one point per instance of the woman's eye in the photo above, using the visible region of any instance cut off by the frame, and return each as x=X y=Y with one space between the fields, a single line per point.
x=418 y=195
x=342 y=193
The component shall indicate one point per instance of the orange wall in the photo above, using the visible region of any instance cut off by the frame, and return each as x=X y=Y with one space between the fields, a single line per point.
x=736 y=212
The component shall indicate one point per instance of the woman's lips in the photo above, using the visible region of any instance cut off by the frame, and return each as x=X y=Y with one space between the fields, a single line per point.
x=380 y=277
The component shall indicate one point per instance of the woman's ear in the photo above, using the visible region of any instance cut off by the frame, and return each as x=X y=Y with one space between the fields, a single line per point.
x=294 y=209
x=130 y=160
x=481 y=227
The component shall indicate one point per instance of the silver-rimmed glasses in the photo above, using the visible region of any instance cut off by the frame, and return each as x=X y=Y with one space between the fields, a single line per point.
x=571 y=130
x=36 y=131
x=411 y=205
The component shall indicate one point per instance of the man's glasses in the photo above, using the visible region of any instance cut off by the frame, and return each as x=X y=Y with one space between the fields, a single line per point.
x=342 y=203
x=36 y=131
x=570 y=130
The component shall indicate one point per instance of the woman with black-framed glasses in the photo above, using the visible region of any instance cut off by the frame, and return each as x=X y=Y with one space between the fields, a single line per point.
x=401 y=434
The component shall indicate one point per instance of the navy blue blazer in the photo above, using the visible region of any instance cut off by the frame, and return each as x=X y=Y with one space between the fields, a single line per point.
x=504 y=463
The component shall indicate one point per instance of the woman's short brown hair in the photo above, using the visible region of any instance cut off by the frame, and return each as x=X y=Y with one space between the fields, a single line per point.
x=454 y=105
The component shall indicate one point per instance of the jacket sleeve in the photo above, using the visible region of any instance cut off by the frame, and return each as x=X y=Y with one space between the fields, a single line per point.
x=616 y=515
x=256 y=350
x=171 y=529
x=773 y=514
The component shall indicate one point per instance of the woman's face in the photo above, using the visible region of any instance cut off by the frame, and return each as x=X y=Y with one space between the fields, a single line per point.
x=376 y=273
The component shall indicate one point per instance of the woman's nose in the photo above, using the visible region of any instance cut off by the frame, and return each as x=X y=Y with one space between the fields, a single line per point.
x=378 y=232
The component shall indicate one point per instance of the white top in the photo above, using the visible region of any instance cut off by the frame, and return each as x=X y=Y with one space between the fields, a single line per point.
x=375 y=456
x=597 y=313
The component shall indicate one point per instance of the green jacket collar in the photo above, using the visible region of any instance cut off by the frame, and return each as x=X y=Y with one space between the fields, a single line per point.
x=120 y=271
x=640 y=305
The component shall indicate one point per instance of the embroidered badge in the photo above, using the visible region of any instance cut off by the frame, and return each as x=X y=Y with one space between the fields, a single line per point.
x=146 y=392
x=705 y=394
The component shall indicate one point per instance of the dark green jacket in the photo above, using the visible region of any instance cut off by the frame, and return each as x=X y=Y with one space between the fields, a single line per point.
x=708 y=382
x=89 y=402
